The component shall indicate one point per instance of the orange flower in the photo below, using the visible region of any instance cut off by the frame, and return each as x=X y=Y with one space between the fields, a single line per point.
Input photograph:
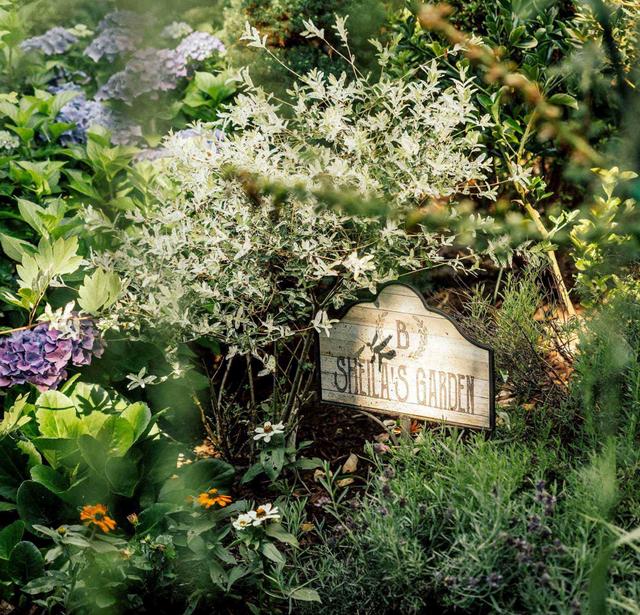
x=211 y=497
x=96 y=514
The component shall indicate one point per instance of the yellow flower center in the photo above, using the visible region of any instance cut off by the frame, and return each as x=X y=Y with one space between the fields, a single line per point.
x=260 y=512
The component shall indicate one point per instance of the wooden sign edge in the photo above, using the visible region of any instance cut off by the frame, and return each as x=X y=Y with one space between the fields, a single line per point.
x=342 y=312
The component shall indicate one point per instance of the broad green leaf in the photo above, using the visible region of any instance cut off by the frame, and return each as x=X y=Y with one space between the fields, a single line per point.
x=93 y=423
x=31 y=213
x=271 y=552
x=54 y=400
x=25 y=562
x=98 y=291
x=138 y=415
x=52 y=480
x=15 y=248
x=93 y=452
x=13 y=469
x=10 y=536
x=117 y=435
x=39 y=505
x=59 y=423
x=45 y=584
x=153 y=516
x=122 y=474
x=275 y=530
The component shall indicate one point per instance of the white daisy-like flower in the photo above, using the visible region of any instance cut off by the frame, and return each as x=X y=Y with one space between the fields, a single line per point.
x=268 y=430
x=243 y=521
x=263 y=513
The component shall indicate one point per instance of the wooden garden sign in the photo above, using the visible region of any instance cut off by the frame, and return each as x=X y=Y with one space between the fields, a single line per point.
x=398 y=356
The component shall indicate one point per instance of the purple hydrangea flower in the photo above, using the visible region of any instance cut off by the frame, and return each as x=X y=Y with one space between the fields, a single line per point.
x=148 y=72
x=199 y=46
x=54 y=41
x=85 y=113
x=39 y=356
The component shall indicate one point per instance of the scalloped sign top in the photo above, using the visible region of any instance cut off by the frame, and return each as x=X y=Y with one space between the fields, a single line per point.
x=398 y=356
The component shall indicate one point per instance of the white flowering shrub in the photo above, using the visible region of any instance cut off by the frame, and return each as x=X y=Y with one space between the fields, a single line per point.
x=250 y=253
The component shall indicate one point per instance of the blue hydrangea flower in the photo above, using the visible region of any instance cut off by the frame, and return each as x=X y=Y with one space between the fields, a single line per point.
x=85 y=113
x=119 y=32
x=54 y=41
x=199 y=46
x=39 y=356
x=176 y=30
x=149 y=71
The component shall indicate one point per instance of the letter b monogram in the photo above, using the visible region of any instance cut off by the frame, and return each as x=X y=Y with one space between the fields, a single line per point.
x=403 y=335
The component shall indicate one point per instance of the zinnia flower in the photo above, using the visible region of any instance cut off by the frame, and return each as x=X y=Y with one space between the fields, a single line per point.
x=211 y=497
x=267 y=431
x=263 y=513
x=96 y=514
x=242 y=522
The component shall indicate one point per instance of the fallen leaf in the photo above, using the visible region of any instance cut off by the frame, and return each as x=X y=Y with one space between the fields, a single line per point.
x=343 y=482
x=351 y=464
x=307 y=527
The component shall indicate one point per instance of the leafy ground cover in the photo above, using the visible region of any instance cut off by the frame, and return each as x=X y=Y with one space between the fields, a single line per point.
x=191 y=191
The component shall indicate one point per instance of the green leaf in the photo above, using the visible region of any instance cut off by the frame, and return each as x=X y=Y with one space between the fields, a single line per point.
x=275 y=530
x=52 y=480
x=34 y=458
x=25 y=563
x=93 y=452
x=46 y=584
x=139 y=416
x=153 y=516
x=255 y=470
x=122 y=474
x=39 y=505
x=54 y=400
x=10 y=536
x=12 y=469
x=98 y=291
x=31 y=214
x=13 y=418
x=59 y=423
x=15 y=248
x=305 y=594
x=117 y=435
x=565 y=100
x=271 y=552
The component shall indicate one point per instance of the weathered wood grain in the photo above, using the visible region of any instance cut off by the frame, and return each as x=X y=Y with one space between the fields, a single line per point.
x=397 y=356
